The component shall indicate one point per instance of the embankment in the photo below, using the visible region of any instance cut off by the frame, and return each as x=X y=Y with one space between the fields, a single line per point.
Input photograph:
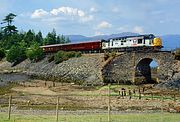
x=83 y=70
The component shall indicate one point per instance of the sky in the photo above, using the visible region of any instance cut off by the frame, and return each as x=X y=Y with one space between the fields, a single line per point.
x=95 y=17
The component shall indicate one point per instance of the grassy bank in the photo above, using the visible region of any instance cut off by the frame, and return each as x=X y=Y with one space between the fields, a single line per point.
x=152 y=117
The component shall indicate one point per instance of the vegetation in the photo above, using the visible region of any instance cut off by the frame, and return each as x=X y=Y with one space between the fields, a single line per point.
x=16 y=54
x=51 y=58
x=177 y=54
x=11 y=38
x=141 y=117
x=2 y=53
x=35 y=53
x=63 y=56
x=6 y=89
x=108 y=55
x=9 y=29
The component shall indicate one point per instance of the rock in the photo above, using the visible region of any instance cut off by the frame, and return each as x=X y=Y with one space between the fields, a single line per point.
x=170 y=73
x=173 y=81
x=85 y=69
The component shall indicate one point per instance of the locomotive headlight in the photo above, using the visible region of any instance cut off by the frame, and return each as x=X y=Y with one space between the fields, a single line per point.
x=157 y=42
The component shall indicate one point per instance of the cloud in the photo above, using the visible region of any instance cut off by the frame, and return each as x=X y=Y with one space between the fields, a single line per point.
x=68 y=11
x=93 y=9
x=104 y=25
x=87 y=18
x=127 y=28
x=39 y=13
x=98 y=33
x=124 y=28
x=62 y=12
x=138 y=29
x=115 y=9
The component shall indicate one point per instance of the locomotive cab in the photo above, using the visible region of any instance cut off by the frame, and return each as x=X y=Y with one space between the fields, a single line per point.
x=157 y=42
x=105 y=44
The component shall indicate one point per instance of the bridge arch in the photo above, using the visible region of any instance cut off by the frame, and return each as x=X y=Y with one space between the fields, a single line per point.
x=144 y=73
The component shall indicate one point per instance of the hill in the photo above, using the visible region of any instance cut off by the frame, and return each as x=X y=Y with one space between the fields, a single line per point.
x=80 y=38
x=171 y=41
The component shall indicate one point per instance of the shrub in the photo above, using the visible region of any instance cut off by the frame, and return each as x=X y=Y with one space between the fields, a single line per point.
x=16 y=54
x=177 y=54
x=113 y=54
x=51 y=58
x=63 y=56
x=35 y=53
x=60 y=57
x=108 y=55
x=72 y=54
x=2 y=54
x=78 y=54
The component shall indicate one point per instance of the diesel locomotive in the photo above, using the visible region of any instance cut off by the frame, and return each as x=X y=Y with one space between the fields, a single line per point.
x=127 y=43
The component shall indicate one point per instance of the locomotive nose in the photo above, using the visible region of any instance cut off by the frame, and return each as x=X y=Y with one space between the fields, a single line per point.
x=157 y=42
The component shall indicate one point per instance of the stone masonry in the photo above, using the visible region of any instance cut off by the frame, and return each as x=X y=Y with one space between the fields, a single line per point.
x=122 y=68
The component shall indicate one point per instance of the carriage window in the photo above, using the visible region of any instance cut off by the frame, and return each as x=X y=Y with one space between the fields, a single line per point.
x=121 y=43
x=139 y=41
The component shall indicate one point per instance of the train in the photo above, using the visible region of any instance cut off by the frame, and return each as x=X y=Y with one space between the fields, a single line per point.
x=147 y=42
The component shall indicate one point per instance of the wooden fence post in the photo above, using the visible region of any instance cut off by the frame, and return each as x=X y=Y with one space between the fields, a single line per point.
x=162 y=101
x=57 y=107
x=174 y=98
x=139 y=93
x=109 y=109
x=9 y=108
x=130 y=94
x=134 y=92
x=152 y=96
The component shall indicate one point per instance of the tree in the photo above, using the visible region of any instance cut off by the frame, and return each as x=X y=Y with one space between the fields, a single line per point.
x=39 y=38
x=16 y=54
x=68 y=40
x=29 y=38
x=1 y=34
x=63 y=39
x=35 y=53
x=50 y=38
x=58 y=40
x=9 y=28
x=2 y=53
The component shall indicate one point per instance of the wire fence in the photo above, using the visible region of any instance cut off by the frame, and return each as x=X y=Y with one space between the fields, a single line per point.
x=109 y=106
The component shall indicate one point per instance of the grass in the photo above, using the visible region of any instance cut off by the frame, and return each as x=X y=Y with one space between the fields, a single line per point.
x=6 y=89
x=65 y=106
x=150 y=117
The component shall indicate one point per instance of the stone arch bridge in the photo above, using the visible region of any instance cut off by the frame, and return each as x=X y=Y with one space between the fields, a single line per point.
x=123 y=68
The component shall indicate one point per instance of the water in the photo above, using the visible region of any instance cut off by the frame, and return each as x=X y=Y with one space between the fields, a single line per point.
x=13 y=77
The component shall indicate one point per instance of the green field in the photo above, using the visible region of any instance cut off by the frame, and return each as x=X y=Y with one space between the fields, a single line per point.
x=153 y=117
